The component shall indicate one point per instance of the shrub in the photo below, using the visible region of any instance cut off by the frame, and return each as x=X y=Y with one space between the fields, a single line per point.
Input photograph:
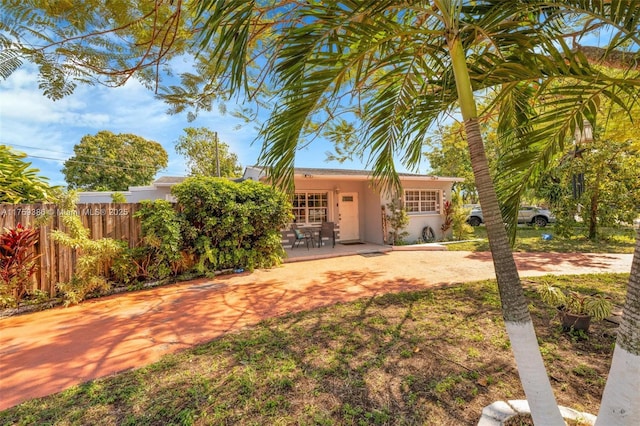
x=94 y=257
x=398 y=220
x=159 y=254
x=118 y=197
x=449 y=210
x=232 y=225
x=595 y=305
x=461 y=230
x=17 y=263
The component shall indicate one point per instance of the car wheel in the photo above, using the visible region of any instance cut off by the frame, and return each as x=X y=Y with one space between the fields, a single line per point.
x=474 y=221
x=540 y=221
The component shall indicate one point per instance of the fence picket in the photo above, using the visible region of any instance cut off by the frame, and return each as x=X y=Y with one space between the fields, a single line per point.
x=57 y=263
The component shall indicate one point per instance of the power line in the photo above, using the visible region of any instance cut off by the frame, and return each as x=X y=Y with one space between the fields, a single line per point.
x=41 y=149
x=70 y=160
x=90 y=163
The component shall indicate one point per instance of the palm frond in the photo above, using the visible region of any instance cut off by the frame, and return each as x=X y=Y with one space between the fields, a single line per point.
x=534 y=139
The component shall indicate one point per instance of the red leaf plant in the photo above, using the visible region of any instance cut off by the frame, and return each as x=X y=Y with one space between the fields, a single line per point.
x=448 y=217
x=17 y=261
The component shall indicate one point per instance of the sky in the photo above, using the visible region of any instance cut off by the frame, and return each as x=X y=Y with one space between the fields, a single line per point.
x=33 y=124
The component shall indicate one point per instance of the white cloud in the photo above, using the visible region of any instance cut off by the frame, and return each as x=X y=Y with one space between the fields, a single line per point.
x=51 y=129
x=27 y=118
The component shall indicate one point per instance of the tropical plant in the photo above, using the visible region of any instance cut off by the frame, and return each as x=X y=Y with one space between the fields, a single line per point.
x=448 y=209
x=94 y=256
x=118 y=197
x=398 y=220
x=160 y=253
x=17 y=263
x=408 y=62
x=19 y=182
x=595 y=305
x=460 y=228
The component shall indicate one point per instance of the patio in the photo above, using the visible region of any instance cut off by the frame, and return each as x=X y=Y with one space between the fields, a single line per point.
x=301 y=253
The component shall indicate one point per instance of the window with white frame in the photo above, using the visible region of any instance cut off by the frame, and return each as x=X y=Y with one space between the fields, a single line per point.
x=310 y=207
x=422 y=200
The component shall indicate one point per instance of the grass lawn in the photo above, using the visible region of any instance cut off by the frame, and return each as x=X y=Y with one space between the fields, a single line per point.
x=430 y=357
x=529 y=239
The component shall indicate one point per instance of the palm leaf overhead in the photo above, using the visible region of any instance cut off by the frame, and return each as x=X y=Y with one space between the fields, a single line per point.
x=388 y=55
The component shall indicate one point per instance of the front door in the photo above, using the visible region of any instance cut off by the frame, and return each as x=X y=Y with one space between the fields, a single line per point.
x=348 y=216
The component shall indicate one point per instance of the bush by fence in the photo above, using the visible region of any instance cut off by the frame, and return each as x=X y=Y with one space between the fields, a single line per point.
x=217 y=225
x=55 y=262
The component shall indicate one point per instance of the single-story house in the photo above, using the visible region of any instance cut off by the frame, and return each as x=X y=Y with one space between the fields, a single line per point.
x=345 y=197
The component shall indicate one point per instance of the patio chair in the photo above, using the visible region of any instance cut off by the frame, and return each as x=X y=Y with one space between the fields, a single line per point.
x=300 y=236
x=327 y=229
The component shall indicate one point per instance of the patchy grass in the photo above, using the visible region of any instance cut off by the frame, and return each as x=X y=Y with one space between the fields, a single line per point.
x=428 y=357
x=529 y=239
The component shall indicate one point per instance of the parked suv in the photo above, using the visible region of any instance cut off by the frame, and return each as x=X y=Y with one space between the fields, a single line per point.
x=527 y=214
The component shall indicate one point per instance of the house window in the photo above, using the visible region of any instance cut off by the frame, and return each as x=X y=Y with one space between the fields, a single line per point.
x=422 y=201
x=310 y=207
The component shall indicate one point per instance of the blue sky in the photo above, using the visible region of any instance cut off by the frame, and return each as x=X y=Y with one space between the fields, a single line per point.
x=39 y=127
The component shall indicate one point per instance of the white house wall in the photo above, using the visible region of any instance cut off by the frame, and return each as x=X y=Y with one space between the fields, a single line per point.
x=418 y=221
x=372 y=213
x=157 y=193
x=98 y=197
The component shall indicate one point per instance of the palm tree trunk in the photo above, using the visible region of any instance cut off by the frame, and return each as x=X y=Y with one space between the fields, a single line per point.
x=621 y=398
x=524 y=343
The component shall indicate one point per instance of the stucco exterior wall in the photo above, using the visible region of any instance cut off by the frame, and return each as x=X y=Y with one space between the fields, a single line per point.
x=98 y=196
x=157 y=193
x=418 y=221
x=372 y=211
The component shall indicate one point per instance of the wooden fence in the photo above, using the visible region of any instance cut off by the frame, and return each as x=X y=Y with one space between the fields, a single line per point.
x=57 y=263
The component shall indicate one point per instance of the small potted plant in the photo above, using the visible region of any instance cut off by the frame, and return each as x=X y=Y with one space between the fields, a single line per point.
x=576 y=309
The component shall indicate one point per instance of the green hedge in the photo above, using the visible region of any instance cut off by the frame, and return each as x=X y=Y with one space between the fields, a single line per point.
x=232 y=225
